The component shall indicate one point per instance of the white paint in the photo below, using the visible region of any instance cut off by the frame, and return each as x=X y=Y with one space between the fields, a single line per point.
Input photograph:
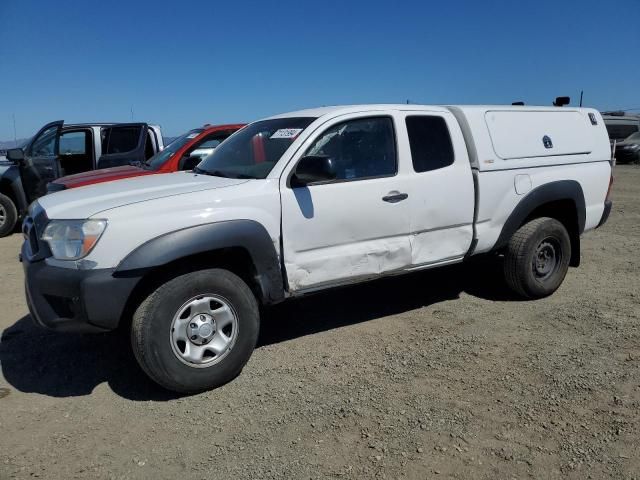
x=441 y=201
x=338 y=231
x=84 y=202
x=498 y=197
x=519 y=133
x=343 y=232
x=524 y=138
x=522 y=184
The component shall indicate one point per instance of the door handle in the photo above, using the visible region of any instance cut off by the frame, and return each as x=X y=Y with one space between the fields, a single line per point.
x=395 y=197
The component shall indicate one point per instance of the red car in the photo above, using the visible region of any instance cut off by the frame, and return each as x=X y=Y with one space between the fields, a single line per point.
x=184 y=153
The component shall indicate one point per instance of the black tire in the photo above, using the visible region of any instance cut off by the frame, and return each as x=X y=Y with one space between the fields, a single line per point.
x=151 y=330
x=8 y=215
x=537 y=258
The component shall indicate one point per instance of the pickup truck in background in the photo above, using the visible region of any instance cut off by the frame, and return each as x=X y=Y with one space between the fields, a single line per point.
x=183 y=153
x=60 y=149
x=306 y=201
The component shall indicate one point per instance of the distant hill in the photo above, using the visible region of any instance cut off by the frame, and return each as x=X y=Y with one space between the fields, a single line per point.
x=6 y=144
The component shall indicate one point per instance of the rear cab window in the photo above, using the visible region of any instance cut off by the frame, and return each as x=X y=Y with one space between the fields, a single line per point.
x=120 y=139
x=430 y=143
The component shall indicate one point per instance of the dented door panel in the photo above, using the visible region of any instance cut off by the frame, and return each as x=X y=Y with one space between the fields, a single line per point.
x=343 y=231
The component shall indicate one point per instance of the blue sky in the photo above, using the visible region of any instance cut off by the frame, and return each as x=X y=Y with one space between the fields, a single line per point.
x=181 y=64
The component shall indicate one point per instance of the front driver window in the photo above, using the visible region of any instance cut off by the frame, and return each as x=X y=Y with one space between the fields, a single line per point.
x=362 y=148
x=45 y=144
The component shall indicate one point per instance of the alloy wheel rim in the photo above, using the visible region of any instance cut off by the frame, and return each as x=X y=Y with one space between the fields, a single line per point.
x=3 y=215
x=204 y=330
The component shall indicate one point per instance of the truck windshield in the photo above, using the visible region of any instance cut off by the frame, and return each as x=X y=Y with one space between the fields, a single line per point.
x=254 y=150
x=155 y=162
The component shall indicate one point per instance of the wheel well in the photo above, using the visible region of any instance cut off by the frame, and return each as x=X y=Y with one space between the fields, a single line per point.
x=235 y=259
x=8 y=191
x=566 y=212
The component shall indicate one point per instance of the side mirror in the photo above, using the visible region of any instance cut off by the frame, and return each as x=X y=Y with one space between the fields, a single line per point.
x=312 y=169
x=15 y=155
x=189 y=163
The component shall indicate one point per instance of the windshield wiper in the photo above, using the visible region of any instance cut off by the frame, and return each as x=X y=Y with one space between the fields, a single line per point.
x=213 y=173
x=220 y=173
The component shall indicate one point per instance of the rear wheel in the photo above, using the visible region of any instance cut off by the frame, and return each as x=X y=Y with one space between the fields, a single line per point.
x=8 y=215
x=537 y=258
x=197 y=331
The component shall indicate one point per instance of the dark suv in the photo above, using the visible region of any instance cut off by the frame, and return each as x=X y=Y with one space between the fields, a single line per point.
x=628 y=150
x=58 y=150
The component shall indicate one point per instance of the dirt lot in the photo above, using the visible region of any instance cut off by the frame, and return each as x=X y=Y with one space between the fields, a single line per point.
x=433 y=375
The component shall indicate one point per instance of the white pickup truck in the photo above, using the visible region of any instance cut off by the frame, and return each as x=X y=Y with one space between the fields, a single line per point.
x=306 y=201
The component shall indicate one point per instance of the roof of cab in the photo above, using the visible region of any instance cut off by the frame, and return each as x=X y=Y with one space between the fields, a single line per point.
x=105 y=124
x=346 y=109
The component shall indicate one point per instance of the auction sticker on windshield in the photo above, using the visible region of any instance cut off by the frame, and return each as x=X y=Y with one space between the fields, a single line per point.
x=286 y=133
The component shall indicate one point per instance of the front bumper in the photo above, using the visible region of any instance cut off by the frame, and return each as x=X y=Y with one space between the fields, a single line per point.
x=72 y=300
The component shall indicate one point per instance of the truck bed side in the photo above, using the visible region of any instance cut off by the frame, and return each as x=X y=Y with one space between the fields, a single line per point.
x=546 y=163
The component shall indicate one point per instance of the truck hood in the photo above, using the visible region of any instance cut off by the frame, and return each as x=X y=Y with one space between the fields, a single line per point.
x=79 y=203
x=102 y=175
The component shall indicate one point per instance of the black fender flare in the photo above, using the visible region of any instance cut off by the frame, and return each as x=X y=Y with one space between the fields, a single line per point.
x=547 y=193
x=11 y=182
x=247 y=234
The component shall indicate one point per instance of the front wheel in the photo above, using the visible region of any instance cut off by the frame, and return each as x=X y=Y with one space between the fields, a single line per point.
x=196 y=331
x=8 y=215
x=537 y=258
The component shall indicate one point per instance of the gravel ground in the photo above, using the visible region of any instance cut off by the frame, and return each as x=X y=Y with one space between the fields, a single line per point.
x=440 y=374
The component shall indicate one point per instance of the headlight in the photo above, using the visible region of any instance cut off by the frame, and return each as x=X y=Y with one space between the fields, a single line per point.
x=73 y=239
